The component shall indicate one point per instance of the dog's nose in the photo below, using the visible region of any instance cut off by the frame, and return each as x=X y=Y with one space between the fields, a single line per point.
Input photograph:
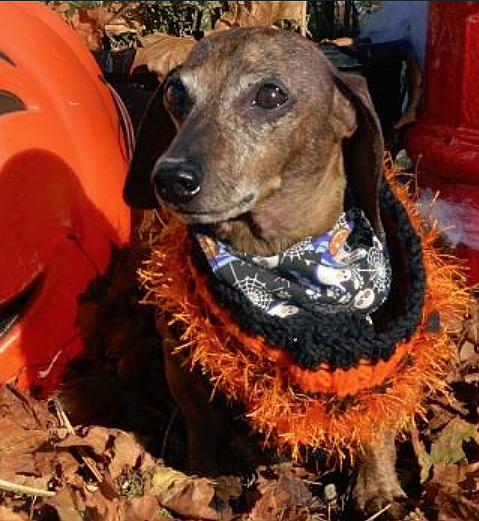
x=176 y=183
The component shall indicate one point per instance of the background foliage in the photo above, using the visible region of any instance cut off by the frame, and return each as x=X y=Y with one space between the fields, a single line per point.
x=114 y=24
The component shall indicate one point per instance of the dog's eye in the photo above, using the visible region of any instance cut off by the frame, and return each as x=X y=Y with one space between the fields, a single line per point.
x=270 y=96
x=177 y=99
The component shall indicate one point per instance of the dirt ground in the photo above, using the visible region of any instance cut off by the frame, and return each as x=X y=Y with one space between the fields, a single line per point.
x=110 y=445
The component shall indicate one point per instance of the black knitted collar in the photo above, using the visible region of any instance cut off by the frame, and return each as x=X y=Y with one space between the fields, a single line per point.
x=325 y=330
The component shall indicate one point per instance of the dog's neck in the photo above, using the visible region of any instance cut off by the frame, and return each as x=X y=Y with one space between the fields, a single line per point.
x=286 y=218
x=244 y=235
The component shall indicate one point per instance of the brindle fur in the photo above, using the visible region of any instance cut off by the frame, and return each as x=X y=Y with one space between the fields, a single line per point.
x=270 y=178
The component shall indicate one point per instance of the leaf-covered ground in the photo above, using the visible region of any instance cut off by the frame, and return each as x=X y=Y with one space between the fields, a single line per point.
x=110 y=445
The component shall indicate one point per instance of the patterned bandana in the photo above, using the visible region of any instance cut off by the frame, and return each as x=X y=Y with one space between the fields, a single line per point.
x=345 y=270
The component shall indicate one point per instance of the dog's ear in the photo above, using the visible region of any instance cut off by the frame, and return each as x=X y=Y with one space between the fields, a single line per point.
x=154 y=137
x=364 y=145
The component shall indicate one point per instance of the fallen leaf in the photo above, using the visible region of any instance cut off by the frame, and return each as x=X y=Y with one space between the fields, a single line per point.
x=188 y=496
x=146 y=507
x=16 y=440
x=91 y=26
x=100 y=508
x=66 y=466
x=453 y=490
x=65 y=506
x=96 y=438
x=446 y=492
x=161 y=52
x=9 y=515
x=448 y=448
x=287 y=499
x=12 y=465
x=127 y=453
x=261 y=13
x=26 y=412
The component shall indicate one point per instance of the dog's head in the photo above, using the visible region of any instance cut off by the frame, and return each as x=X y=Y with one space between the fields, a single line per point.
x=258 y=123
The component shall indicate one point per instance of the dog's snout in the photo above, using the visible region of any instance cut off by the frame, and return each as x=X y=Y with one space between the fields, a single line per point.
x=177 y=183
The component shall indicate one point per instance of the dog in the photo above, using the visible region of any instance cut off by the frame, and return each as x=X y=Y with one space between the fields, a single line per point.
x=258 y=137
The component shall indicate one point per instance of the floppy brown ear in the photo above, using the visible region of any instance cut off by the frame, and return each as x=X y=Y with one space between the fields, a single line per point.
x=154 y=137
x=364 y=149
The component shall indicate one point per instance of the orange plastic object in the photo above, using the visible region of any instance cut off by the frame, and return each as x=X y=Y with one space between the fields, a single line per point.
x=62 y=167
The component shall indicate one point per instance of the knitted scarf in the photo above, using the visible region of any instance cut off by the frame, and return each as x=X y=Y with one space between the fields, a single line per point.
x=334 y=396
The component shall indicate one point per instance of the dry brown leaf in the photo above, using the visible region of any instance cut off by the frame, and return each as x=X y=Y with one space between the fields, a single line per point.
x=287 y=499
x=96 y=507
x=188 y=496
x=25 y=428
x=95 y=438
x=22 y=409
x=161 y=52
x=261 y=13
x=146 y=507
x=17 y=440
x=448 y=448
x=449 y=491
x=67 y=469
x=127 y=453
x=23 y=422
x=65 y=506
x=90 y=24
x=121 y=448
x=10 y=466
x=8 y=515
x=450 y=476
x=100 y=508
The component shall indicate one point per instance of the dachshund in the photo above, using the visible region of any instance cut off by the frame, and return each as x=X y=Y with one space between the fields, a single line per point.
x=259 y=137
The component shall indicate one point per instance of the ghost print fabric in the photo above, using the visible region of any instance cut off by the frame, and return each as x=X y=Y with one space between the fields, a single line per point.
x=320 y=274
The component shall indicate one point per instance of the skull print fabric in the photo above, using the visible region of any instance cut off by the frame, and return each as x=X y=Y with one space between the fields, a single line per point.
x=331 y=273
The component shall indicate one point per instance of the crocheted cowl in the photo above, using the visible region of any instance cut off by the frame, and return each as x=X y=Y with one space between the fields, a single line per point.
x=365 y=384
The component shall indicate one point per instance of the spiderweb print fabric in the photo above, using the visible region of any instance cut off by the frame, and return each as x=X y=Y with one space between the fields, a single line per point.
x=330 y=273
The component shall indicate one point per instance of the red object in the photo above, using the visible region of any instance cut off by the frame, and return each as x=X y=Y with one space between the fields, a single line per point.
x=445 y=140
x=62 y=167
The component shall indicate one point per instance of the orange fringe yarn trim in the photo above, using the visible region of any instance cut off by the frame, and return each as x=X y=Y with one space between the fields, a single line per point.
x=334 y=410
